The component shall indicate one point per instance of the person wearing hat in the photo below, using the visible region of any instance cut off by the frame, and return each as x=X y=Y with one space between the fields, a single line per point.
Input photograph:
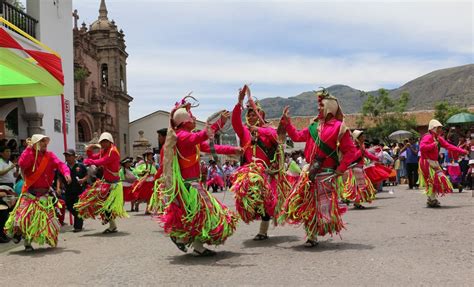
x=357 y=185
x=145 y=172
x=329 y=150
x=128 y=177
x=258 y=194
x=192 y=216
x=77 y=186
x=34 y=217
x=432 y=176
x=105 y=197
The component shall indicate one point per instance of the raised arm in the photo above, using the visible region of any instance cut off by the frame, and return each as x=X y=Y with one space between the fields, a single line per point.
x=237 y=120
x=27 y=159
x=454 y=149
x=293 y=133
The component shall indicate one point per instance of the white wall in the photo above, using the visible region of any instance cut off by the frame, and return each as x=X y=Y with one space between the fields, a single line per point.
x=149 y=125
x=55 y=30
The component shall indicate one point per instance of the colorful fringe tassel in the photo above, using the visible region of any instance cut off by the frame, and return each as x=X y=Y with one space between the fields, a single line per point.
x=193 y=213
x=357 y=186
x=315 y=205
x=101 y=199
x=434 y=180
x=253 y=192
x=35 y=219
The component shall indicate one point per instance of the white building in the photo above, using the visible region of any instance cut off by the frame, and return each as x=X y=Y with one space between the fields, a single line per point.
x=44 y=114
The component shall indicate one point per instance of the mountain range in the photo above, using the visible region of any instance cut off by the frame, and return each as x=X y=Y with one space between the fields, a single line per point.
x=454 y=85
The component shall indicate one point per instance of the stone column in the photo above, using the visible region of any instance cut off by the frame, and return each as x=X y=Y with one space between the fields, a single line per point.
x=140 y=145
x=35 y=123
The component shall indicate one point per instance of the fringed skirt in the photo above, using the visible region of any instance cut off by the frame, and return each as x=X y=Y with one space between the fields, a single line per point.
x=127 y=192
x=314 y=204
x=102 y=199
x=194 y=214
x=357 y=186
x=143 y=188
x=217 y=180
x=35 y=219
x=253 y=192
x=432 y=177
x=377 y=173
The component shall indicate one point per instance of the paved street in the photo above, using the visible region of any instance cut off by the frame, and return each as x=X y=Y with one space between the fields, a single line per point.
x=397 y=241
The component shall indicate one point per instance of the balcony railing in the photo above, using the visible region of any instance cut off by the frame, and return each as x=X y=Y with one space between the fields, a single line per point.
x=18 y=18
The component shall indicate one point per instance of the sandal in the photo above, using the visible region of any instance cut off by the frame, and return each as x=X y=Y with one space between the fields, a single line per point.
x=205 y=253
x=29 y=248
x=181 y=246
x=107 y=231
x=310 y=243
x=260 y=237
x=16 y=238
x=359 y=206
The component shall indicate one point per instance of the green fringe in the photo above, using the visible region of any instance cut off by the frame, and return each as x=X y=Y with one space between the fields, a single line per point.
x=114 y=202
x=37 y=221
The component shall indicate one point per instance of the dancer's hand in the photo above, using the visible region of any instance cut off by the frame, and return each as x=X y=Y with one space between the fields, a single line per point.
x=225 y=115
x=68 y=179
x=285 y=116
x=242 y=93
x=239 y=151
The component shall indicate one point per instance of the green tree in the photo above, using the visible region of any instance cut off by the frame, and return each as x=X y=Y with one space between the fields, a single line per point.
x=444 y=110
x=386 y=114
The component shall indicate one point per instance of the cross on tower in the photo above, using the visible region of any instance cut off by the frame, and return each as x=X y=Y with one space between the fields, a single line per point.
x=76 y=17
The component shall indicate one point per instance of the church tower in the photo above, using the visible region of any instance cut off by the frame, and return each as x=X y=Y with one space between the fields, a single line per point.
x=106 y=101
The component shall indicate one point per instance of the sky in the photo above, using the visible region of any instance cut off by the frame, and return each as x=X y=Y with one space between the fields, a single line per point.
x=282 y=48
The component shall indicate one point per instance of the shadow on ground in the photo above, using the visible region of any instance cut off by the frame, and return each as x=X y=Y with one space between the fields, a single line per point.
x=386 y=197
x=100 y=234
x=190 y=259
x=366 y=207
x=330 y=246
x=270 y=242
x=44 y=251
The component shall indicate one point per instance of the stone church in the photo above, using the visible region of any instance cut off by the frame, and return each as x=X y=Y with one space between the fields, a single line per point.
x=100 y=81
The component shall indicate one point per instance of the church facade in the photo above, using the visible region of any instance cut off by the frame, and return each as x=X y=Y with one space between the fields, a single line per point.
x=101 y=100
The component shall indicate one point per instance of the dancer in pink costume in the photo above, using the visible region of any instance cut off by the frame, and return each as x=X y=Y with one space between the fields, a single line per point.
x=260 y=184
x=191 y=215
x=431 y=174
x=357 y=185
x=329 y=149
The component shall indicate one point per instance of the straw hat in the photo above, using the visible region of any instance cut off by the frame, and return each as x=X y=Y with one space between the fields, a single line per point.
x=106 y=136
x=180 y=116
x=356 y=134
x=434 y=124
x=36 y=138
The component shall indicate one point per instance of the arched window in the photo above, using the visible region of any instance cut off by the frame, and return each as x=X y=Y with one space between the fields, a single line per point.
x=83 y=131
x=104 y=74
x=122 y=79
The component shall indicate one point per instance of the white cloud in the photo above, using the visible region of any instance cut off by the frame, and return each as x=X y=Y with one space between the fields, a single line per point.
x=160 y=77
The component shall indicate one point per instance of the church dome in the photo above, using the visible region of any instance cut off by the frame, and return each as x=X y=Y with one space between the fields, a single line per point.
x=102 y=23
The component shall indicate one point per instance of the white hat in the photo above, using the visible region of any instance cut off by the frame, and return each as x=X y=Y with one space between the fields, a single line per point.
x=106 y=136
x=180 y=116
x=38 y=137
x=356 y=134
x=434 y=124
